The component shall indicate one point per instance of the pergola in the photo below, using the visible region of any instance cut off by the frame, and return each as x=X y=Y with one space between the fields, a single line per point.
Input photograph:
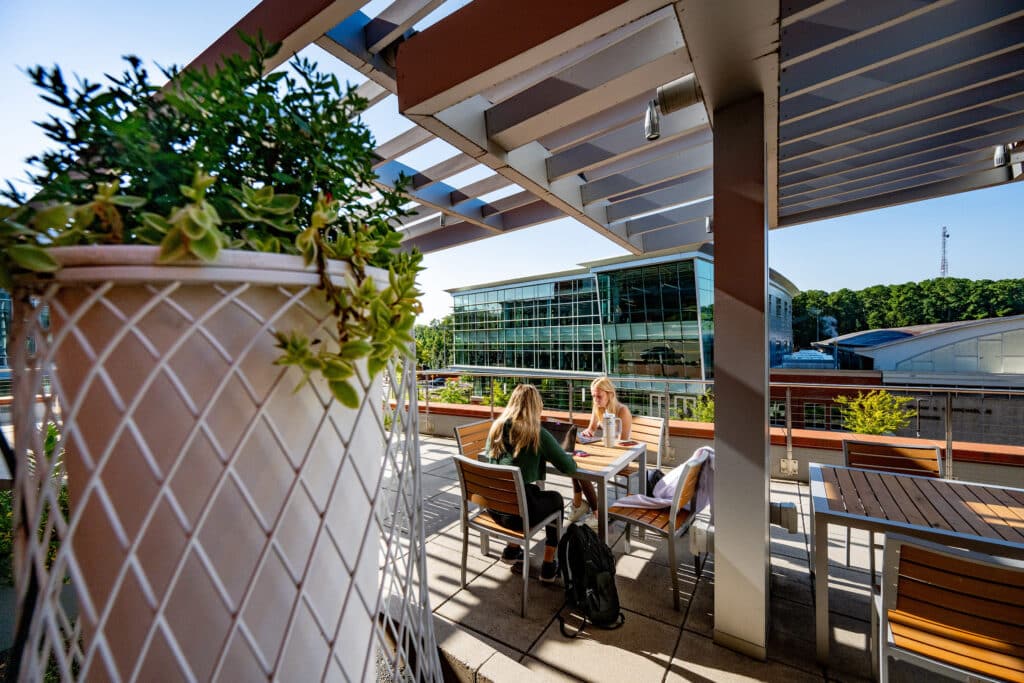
x=809 y=109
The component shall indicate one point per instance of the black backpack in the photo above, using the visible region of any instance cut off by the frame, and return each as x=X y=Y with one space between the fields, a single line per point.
x=588 y=573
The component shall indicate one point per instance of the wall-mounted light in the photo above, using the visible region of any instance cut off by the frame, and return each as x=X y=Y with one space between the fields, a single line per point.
x=678 y=94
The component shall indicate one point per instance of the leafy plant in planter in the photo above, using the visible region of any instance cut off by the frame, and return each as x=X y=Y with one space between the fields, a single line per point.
x=228 y=158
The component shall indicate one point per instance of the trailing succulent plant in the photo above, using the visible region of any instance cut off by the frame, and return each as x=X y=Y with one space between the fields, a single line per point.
x=224 y=158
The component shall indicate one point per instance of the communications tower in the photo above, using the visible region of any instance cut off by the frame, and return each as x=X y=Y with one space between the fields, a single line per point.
x=944 y=266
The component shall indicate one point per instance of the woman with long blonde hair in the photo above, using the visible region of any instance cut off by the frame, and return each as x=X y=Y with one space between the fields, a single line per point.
x=516 y=438
x=606 y=400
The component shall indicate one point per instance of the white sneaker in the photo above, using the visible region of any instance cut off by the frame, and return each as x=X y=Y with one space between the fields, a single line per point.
x=579 y=513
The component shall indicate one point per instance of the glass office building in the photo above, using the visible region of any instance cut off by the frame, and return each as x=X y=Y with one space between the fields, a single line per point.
x=625 y=317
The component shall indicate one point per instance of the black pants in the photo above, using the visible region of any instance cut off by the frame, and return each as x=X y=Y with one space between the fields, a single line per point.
x=539 y=504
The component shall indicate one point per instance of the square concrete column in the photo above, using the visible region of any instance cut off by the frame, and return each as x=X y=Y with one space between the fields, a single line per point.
x=741 y=379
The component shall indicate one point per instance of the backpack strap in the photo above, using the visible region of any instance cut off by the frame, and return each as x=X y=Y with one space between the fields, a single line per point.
x=565 y=632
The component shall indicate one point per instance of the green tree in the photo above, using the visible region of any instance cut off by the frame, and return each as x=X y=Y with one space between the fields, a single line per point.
x=702 y=410
x=434 y=343
x=877 y=412
x=453 y=391
x=501 y=395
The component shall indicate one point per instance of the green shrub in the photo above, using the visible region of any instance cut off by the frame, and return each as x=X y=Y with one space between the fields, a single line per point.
x=453 y=392
x=877 y=412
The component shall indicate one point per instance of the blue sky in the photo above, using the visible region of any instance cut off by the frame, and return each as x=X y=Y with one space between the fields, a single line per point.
x=896 y=245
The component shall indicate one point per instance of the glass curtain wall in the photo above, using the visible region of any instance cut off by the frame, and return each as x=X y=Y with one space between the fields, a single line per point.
x=543 y=326
x=651 y=323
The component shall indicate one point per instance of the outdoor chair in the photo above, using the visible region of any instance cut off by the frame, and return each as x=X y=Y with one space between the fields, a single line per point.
x=651 y=431
x=501 y=488
x=920 y=460
x=672 y=522
x=472 y=437
x=955 y=612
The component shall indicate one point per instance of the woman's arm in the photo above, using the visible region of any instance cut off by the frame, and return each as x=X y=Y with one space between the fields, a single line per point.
x=627 y=422
x=591 y=426
x=551 y=452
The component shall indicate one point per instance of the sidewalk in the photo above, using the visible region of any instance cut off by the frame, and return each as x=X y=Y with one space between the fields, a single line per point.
x=656 y=643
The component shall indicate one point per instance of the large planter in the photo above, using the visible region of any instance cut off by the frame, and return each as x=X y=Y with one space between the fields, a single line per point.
x=222 y=521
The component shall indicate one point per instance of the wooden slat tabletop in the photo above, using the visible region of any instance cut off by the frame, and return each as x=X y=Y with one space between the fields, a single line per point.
x=988 y=511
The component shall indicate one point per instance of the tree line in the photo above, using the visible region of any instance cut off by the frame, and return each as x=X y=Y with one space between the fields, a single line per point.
x=434 y=344
x=941 y=300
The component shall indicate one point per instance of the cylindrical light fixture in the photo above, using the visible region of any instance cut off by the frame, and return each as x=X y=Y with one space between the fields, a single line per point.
x=652 y=121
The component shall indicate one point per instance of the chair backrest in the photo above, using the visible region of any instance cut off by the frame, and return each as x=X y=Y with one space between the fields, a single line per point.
x=472 y=437
x=902 y=459
x=964 y=609
x=496 y=487
x=686 y=490
x=651 y=431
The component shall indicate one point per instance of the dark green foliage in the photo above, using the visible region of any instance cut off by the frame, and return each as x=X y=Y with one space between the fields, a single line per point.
x=914 y=303
x=225 y=158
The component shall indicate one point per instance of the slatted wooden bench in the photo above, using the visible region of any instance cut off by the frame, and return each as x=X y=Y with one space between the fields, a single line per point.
x=955 y=612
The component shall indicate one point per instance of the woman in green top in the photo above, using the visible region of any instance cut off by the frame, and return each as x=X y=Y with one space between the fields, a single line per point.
x=516 y=438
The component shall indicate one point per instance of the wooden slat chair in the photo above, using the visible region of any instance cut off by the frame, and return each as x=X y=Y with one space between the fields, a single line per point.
x=651 y=431
x=472 y=437
x=921 y=460
x=952 y=611
x=672 y=522
x=501 y=488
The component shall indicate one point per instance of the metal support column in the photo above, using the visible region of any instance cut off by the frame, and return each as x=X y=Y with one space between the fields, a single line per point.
x=741 y=379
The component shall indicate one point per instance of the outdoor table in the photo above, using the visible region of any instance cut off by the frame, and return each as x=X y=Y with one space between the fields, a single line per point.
x=979 y=517
x=599 y=466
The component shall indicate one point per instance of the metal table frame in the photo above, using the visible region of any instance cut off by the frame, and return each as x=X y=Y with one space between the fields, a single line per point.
x=600 y=466
x=822 y=516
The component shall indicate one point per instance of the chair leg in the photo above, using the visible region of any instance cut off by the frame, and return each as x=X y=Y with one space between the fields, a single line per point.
x=871 y=560
x=485 y=543
x=628 y=529
x=465 y=553
x=674 y=568
x=526 y=571
x=696 y=566
x=848 y=539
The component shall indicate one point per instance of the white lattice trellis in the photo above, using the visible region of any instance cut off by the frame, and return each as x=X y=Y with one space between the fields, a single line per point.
x=222 y=526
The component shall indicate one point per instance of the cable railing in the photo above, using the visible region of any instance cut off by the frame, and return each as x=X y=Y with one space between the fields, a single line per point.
x=964 y=414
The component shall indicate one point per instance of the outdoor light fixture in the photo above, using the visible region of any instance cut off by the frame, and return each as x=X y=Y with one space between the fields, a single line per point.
x=678 y=94
x=652 y=121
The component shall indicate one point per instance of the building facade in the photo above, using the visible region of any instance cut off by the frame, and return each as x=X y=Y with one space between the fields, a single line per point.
x=626 y=317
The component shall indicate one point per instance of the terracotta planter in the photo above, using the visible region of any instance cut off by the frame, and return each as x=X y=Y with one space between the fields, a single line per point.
x=221 y=522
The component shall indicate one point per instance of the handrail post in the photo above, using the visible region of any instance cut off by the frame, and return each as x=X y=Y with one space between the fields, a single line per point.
x=789 y=423
x=949 y=435
x=668 y=413
x=570 y=401
x=492 y=397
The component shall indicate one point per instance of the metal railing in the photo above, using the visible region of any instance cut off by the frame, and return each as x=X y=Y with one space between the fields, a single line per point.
x=979 y=415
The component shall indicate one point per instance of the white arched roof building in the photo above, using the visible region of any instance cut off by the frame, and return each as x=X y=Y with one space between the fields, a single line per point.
x=992 y=346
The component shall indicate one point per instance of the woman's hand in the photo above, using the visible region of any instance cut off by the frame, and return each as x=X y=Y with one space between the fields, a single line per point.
x=587 y=433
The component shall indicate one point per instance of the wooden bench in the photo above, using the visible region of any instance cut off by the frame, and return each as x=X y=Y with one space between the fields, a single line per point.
x=956 y=612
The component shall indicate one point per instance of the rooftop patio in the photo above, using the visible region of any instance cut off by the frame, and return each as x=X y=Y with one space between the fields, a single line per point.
x=477 y=627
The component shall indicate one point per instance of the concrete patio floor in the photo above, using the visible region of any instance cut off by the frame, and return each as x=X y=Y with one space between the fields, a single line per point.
x=656 y=643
